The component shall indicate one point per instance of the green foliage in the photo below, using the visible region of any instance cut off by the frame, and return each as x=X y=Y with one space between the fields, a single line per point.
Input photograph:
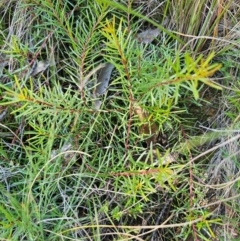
x=205 y=224
x=70 y=168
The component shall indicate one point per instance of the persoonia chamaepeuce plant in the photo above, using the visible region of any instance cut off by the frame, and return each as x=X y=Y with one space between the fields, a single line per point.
x=150 y=76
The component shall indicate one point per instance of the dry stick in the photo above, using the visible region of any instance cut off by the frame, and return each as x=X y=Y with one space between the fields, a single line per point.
x=213 y=149
x=159 y=218
x=21 y=126
x=152 y=230
x=191 y=194
x=153 y=227
x=141 y=233
x=14 y=134
x=217 y=202
x=128 y=16
x=222 y=185
x=193 y=38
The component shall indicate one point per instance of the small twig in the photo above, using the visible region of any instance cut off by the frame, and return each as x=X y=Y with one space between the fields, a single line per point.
x=19 y=130
x=191 y=194
x=154 y=235
x=128 y=16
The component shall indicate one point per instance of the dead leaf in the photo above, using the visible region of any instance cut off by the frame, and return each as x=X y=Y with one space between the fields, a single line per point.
x=148 y=35
x=103 y=79
x=147 y=128
x=38 y=67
